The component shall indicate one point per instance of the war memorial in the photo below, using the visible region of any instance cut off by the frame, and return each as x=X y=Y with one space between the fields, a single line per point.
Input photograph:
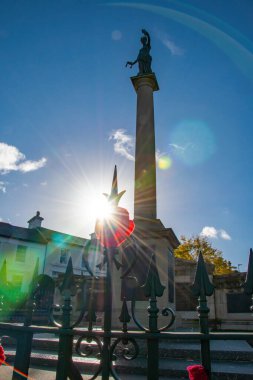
x=137 y=336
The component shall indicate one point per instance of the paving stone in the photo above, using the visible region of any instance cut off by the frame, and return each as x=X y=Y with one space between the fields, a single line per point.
x=176 y=357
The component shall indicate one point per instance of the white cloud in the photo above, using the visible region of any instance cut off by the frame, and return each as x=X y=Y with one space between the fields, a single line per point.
x=11 y=159
x=177 y=147
x=213 y=233
x=224 y=235
x=159 y=154
x=209 y=232
x=167 y=41
x=3 y=186
x=182 y=148
x=123 y=143
x=28 y=166
x=44 y=183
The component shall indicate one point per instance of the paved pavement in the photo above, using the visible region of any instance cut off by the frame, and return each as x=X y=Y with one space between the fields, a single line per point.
x=216 y=345
x=36 y=373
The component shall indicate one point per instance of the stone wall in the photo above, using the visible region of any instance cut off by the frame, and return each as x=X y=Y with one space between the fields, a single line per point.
x=229 y=306
x=186 y=314
x=232 y=305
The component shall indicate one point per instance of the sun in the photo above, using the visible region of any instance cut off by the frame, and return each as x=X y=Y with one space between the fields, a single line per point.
x=99 y=208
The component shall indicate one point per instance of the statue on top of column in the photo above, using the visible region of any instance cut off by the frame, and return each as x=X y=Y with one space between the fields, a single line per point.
x=144 y=58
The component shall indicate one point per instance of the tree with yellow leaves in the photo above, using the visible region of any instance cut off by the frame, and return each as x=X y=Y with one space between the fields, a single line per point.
x=189 y=250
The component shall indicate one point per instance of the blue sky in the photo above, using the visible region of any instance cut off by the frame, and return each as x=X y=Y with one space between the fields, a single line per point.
x=68 y=113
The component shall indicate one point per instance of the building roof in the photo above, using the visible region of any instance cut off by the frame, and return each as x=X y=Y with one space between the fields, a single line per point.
x=39 y=235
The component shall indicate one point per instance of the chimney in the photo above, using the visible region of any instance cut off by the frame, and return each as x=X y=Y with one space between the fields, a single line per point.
x=35 y=221
x=93 y=236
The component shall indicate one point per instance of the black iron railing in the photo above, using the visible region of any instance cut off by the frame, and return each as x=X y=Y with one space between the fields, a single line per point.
x=106 y=340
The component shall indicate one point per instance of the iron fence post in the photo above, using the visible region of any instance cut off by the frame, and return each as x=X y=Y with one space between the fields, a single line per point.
x=68 y=289
x=65 y=344
x=152 y=289
x=23 y=355
x=248 y=285
x=203 y=311
x=30 y=307
x=106 y=356
x=24 y=339
x=153 y=344
x=202 y=288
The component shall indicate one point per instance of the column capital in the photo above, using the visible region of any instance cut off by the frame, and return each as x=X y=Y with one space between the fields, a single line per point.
x=145 y=80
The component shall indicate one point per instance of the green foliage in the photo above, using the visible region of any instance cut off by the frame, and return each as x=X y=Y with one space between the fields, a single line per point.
x=12 y=296
x=189 y=250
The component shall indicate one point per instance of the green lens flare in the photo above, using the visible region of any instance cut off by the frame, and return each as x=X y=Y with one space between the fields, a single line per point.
x=192 y=142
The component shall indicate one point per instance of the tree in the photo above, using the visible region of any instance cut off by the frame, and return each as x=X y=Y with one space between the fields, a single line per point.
x=189 y=250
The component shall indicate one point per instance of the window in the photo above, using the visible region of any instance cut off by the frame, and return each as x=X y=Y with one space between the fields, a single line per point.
x=21 y=253
x=64 y=256
x=238 y=303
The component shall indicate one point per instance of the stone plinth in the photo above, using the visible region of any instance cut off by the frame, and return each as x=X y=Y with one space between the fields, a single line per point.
x=149 y=237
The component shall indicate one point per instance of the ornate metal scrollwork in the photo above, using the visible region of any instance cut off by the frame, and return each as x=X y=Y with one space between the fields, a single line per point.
x=153 y=289
x=137 y=322
x=68 y=289
x=88 y=350
x=125 y=351
x=128 y=353
x=58 y=308
x=166 y=311
x=53 y=308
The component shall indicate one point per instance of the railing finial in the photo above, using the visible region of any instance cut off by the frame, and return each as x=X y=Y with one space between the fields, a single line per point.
x=248 y=285
x=68 y=287
x=153 y=286
x=124 y=315
x=202 y=285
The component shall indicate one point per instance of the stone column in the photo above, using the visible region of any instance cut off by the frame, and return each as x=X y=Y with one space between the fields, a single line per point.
x=145 y=160
x=150 y=236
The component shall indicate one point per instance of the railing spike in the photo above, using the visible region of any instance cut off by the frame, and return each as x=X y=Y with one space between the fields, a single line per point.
x=68 y=287
x=248 y=285
x=202 y=285
x=153 y=286
x=124 y=315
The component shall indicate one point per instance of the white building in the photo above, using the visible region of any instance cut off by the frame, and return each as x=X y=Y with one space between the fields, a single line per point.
x=21 y=247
